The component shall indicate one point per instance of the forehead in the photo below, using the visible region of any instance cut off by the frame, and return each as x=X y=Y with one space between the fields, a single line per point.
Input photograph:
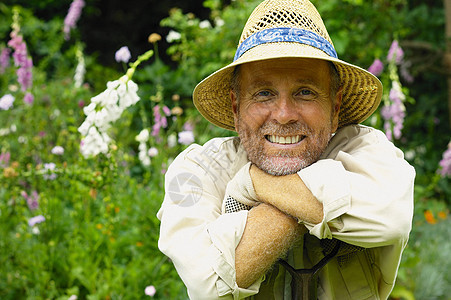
x=292 y=69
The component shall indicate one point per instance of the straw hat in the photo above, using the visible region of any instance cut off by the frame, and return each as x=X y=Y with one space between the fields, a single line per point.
x=287 y=28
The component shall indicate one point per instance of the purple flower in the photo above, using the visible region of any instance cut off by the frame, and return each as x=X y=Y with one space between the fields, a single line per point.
x=394 y=112
x=150 y=291
x=36 y=220
x=123 y=55
x=445 y=163
x=6 y=102
x=28 y=98
x=4 y=159
x=376 y=67
x=4 y=59
x=32 y=199
x=395 y=53
x=186 y=137
x=72 y=17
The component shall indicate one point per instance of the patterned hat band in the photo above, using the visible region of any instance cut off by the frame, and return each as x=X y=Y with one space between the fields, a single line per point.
x=294 y=35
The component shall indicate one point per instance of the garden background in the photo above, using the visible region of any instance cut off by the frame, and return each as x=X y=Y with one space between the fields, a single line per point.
x=96 y=102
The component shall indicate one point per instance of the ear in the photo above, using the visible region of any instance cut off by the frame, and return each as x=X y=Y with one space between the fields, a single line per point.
x=336 y=109
x=234 y=102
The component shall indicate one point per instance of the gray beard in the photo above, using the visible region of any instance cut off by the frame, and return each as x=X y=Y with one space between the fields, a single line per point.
x=284 y=162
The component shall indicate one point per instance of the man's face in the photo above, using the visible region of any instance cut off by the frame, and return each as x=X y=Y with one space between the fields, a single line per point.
x=285 y=116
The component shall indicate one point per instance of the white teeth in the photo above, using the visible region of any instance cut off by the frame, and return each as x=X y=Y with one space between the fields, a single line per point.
x=284 y=139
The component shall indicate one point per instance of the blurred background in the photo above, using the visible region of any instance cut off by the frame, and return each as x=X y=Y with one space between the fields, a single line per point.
x=81 y=179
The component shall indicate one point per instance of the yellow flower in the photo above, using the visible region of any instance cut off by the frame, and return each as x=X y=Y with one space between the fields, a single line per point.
x=154 y=37
x=177 y=111
x=175 y=97
x=9 y=172
x=442 y=215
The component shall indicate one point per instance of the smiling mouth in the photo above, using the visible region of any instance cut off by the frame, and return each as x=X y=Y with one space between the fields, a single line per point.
x=284 y=140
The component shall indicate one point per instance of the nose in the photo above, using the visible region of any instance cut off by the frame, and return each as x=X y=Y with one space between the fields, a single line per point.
x=285 y=111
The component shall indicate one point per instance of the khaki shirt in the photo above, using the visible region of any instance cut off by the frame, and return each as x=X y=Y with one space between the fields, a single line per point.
x=366 y=188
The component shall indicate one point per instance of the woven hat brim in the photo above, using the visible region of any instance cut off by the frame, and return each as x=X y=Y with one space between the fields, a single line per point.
x=362 y=91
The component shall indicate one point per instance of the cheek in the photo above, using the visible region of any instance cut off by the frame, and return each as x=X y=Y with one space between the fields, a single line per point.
x=315 y=115
x=254 y=115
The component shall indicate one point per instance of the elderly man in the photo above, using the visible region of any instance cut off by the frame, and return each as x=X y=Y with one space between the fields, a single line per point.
x=301 y=174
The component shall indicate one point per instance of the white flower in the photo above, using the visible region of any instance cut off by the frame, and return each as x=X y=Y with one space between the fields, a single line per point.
x=219 y=22
x=123 y=55
x=89 y=108
x=205 y=24
x=173 y=36
x=49 y=167
x=150 y=291
x=104 y=109
x=58 y=150
x=186 y=137
x=143 y=136
x=6 y=102
x=152 y=152
x=80 y=71
x=172 y=140
x=73 y=297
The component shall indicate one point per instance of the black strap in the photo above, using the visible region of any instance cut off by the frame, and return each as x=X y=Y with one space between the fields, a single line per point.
x=304 y=282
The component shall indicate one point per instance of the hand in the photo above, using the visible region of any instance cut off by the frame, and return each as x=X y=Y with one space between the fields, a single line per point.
x=241 y=187
x=288 y=193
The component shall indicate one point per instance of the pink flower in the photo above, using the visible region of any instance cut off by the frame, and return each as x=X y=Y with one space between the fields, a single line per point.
x=21 y=60
x=150 y=291
x=188 y=126
x=72 y=17
x=4 y=159
x=160 y=121
x=445 y=163
x=123 y=55
x=395 y=53
x=32 y=199
x=4 y=59
x=166 y=111
x=376 y=67
x=28 y=98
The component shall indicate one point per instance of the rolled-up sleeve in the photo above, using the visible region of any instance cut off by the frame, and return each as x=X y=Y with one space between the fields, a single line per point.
x=194 y=234
x=366 y=188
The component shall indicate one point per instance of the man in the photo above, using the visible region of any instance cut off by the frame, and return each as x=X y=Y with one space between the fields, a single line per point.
x=301 y=174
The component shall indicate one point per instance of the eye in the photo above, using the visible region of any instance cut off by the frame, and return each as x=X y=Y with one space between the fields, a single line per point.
x=306 y=94
x=263 y=95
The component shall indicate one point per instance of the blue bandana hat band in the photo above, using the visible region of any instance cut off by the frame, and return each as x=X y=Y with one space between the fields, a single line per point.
x=294 y=35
